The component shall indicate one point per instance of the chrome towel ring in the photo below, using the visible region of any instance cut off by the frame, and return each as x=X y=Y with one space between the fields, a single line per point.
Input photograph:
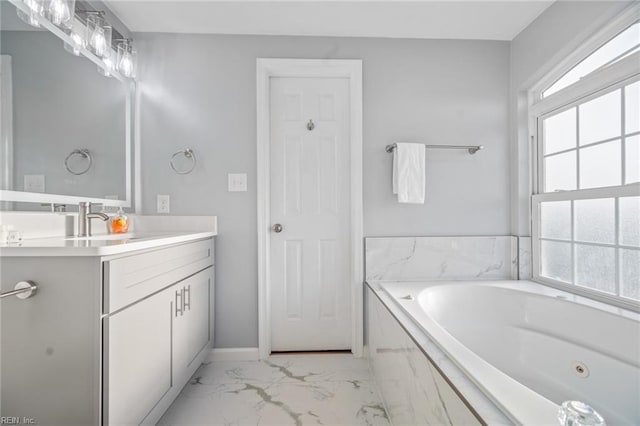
x=189 y=154
x=84 y=153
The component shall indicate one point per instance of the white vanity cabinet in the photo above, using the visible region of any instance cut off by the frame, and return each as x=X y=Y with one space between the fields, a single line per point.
x=152 y=348
x=109 y=339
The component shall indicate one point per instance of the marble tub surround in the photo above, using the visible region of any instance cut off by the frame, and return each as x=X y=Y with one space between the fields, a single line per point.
x=524 y=258
x=441 y=258
x=397 y=347
x=309 y=389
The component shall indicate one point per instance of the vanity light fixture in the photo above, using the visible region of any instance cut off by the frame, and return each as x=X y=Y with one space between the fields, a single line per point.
x=60 y=12
x=35 y=11
x=85 y=29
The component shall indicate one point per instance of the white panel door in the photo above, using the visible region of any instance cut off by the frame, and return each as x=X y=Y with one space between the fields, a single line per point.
x=310 y=194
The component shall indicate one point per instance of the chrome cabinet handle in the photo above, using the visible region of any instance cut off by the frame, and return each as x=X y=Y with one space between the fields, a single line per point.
x=22 y=290
x=179 y=306
x=277 y=228
x=186 y=304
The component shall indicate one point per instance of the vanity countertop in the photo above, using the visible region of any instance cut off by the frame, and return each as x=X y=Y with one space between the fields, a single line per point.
x=98 y=245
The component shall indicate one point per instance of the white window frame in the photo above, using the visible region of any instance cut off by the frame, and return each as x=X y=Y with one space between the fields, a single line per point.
x=596 y=84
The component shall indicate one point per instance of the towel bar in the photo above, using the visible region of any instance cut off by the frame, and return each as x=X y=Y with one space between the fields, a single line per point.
x=23 y=290
x=471 y=148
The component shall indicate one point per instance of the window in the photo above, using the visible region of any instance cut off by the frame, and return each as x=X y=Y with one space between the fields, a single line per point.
x=623 y=45
x=586 y=209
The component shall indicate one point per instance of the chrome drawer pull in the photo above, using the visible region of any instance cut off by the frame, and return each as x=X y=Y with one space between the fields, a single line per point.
x=187 y=304
x=179 y=306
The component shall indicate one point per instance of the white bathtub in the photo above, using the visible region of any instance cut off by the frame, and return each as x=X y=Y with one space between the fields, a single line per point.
x=529 y=347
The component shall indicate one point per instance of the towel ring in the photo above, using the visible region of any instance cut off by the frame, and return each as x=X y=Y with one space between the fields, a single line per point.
x=188 y=153
x=84 y=153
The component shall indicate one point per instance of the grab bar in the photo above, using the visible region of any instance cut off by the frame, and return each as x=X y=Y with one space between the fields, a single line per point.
x=23 y=290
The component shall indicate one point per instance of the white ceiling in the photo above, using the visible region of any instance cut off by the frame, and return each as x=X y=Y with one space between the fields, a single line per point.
x=445 y=19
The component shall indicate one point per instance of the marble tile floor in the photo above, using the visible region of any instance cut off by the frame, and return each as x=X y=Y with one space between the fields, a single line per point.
x=300 y=389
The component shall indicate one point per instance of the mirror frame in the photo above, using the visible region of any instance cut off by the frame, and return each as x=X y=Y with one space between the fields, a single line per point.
x=44 y=198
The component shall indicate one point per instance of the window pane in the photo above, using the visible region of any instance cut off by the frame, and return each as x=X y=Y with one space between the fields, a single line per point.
x=600 y=165
x=630 y=273
x=605 y=54
x=560 y=131
x=595 y=220
x=632 y=160
x=629 y=208
x=600 y=118
x=632 y=107
x=560 y=172
x=595 y=267
x=555 y=260
x=555 y=220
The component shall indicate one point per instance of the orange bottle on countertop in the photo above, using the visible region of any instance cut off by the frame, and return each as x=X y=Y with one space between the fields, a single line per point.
x=120 y=223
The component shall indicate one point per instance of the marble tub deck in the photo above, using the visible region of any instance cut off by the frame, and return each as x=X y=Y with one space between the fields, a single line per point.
x=301 y=389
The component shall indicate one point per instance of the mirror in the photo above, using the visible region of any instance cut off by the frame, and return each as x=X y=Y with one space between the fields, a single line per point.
x=65 y=130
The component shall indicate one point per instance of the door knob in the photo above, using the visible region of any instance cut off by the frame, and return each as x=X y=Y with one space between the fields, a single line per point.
x=277 y=228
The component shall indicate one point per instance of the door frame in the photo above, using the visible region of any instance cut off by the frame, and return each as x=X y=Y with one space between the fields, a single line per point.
x=351 y=69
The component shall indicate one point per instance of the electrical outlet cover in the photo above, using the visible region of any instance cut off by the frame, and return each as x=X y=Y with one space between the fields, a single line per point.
x=34 y=183
x=163 y=204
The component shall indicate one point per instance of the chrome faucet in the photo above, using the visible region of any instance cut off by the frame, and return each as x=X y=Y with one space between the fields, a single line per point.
x=84 y=218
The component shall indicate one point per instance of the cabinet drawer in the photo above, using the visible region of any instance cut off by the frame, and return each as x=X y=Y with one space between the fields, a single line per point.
x=131 y=278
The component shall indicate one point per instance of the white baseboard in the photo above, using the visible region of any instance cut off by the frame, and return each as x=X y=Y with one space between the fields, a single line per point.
x=234 y=354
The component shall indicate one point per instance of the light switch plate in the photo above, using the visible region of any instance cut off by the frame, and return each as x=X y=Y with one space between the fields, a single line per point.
x=237 y=182
x=34 y=183
x=164 y=204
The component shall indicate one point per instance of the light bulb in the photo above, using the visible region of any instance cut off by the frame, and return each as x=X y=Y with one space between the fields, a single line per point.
x=126 y=65
x=98 y=42
x=33 y=13
x=107 y=66
x=58 y=12
x=75 y=45
x=98 y=35
x=126 y=58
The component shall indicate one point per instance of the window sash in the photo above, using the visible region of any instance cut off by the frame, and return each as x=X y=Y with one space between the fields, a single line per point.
x=615 y=76
x=540 y=156
x=630 y=190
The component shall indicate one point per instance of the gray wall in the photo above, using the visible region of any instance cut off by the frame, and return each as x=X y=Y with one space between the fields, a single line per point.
x=199 y=91
x=61 y=103
x=558 y=31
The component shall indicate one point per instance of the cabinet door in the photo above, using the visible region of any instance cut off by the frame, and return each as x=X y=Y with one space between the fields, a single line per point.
x=137 y=363
x=191 y=329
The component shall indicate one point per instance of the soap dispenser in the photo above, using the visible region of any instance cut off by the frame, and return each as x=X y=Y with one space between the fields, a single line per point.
x=120 y=222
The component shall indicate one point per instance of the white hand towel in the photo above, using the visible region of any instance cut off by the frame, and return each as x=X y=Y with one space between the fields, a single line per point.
x=409 y=172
